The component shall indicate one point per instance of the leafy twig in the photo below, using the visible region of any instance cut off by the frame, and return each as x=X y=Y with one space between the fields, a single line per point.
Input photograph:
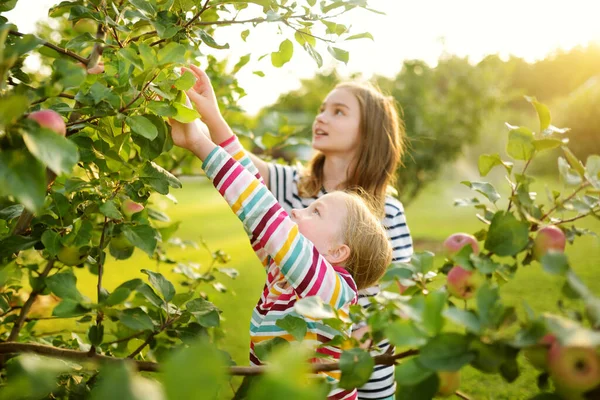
x=580 y=188
x=56 y=48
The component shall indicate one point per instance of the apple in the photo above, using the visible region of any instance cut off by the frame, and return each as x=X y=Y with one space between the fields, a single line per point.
x=548 y=238
x=49 y=119
x=85 y=25
x=71 y=255
x=537 y=355
x=455 y=242
x=121 y=243
x=574 y=369
x=462 y=283
x=449 y=383
x=130 y=207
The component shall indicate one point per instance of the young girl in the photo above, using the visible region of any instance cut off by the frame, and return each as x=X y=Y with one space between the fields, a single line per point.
x=330 y=249
x=359 y=140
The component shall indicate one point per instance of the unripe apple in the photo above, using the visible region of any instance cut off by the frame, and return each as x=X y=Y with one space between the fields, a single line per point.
x=71 y=255
x=537 y=355
x=548 y=238
x=575 y=369
x=462 y=283
x=85 y=25
x=121 y=243
x=49 y=119
x=455 y=242
x=130 y=207
x=449 y=383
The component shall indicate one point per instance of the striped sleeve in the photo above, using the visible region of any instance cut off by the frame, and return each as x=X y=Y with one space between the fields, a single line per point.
x=270 y=226
x=397 y=230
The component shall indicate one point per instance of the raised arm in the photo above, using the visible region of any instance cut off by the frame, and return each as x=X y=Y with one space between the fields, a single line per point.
x=297 y=258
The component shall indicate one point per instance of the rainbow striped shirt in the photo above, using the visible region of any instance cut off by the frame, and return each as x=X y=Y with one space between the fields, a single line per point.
x=294 y=267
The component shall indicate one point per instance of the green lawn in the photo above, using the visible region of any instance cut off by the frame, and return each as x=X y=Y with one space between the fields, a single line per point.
x=204 y=214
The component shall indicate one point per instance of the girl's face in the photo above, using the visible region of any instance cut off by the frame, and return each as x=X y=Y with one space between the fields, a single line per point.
x=322 y=222
x=336 y=127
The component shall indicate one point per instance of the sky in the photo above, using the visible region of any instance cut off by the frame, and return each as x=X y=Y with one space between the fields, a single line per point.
x=423 y=29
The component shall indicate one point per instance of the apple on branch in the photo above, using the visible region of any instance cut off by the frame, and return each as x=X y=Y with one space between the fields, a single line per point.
x=574 y=370
x=548 y=238
x=449 y=383
x=462 y=283
x=130 y=207
x=49 y=119
x=71 y=255
x=455 y=242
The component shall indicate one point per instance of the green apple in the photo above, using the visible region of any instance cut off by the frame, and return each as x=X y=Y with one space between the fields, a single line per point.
x=85 y=25
x=537 y=355
x=71 y=255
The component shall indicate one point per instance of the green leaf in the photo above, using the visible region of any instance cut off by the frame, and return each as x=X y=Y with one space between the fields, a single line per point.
x=158 y=281
x=68 y=308
x=264 y=349
x=118 y=296
x=142 y=126
x=403 y=333
x=205 y=312
x=286 y=50
x=245 y=34
x=110 y=210
x=150 y=295
x=432 y=313
x=142 y=236
x=313 y=307
x=339 y=54
x=422 y=261
x=159 y=178
x=507 y=236
x=410 y=372
x=96 y=334
x=240 y=64
x=485 y=188
x=130 y=55
x=115 y=381
x=570 y=176
x=195 y=373
x=51 y=241
x=547 y=144
x=144 y=6
x=520 y=144
x=12 y=107
x=424 y=390
x=22 y=177
x=489 y=305
x=295 y=326
x=314 y=54
x=592 y=170
x=446 y=352
x=185 y=81
x=356 y=366
x=365 y=35
x=574 y=161
x=555 y=263
x=136 y=319
x=64 y=285
x=171 y=53
x=163 y=142
x=7 y=5
x=465 y=318
x=542 y=111
x=162 y=108
x=148 y=56
x=209 y=40
x=488 y=161
x=185 y=114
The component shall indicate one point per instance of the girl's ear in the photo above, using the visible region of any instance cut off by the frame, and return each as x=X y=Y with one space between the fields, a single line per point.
x=338 y=254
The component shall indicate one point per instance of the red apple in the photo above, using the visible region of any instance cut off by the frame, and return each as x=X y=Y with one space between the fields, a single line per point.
x=548 y=238
x=130 y=207
x=49 y=119
x=574 y=369
x=449 y=383
x=537 y=355
x=455 y=242
x=462 y=283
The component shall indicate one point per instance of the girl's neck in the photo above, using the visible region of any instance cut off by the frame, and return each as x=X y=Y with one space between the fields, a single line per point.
x=335 y=172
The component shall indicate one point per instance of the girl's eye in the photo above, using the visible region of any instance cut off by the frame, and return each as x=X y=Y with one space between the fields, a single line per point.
x=339 y=112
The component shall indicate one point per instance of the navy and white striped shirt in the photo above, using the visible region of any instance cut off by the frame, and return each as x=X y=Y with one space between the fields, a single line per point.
x=283 y=183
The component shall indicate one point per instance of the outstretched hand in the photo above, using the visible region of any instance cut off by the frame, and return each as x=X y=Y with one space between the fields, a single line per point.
x=188 y=135
x=203 y=96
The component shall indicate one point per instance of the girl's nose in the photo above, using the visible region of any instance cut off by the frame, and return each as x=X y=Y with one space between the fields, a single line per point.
x=321 y=117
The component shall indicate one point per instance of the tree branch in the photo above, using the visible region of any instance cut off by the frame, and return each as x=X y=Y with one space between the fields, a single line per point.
x=75 y=355
x=56 y=48
x=198 y=14
x=581 y=187
x=14 y=333
x=63 y=95
x=514 y=190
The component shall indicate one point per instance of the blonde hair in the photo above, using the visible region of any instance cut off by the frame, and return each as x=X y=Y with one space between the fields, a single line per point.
x=363 y=233
x=382 y=143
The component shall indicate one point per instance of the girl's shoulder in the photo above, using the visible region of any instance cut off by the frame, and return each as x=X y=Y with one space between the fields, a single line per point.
x=393 y=206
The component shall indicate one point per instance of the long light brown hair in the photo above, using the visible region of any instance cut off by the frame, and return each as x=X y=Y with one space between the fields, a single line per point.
x=382 y=143
x=370 y=248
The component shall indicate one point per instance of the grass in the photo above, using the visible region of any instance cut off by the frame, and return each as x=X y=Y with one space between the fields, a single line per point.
x=205 y=215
